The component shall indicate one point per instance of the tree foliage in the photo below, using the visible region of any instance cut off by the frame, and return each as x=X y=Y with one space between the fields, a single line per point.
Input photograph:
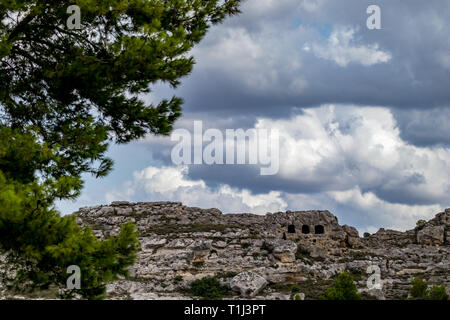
x=419 y=288
x=343 y=289
x=65 y=94
x=208 y=288
x=80 y=87
x=421 y=291
x=437 y=293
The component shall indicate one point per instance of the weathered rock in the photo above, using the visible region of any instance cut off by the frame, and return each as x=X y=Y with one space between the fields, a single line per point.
x=351 y=231
x=248 y=284
x=433 y=235
x=283 y=250
x=180 y=244
x=152 y=243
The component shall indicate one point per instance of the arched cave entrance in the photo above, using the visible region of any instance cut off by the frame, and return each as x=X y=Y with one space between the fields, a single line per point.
x=291 y=228
x=319 y=229
x=305 y=229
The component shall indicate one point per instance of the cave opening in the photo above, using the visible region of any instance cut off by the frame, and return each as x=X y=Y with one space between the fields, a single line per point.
x=319 y=229
x=305 y=229
x=291 y=228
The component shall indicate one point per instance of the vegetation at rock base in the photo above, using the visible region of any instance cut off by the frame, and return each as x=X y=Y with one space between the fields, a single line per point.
x=208 y=288
x=419 y=288
x=62 y=102
x=295 y=288
x=421 y=291
x=437 y=293
x=343 y=289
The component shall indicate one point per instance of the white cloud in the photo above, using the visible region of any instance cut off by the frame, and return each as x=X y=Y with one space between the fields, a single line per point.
x=172 y=184
x=311 y=5
x=154 y=184
x=267 y=60
x=390 y=215
x=365 y=172
x=364 y=210
x=341 y=48
x=345 y=147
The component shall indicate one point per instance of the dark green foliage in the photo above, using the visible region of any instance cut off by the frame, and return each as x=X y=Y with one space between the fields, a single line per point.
x=295 y=288
x=419 y=288
x=420 y=223
x=87 y=82
x=48 y=243
x=65 y=94
x=437 y=293
x=208 y=288
x=344 y=289
x=421 y=291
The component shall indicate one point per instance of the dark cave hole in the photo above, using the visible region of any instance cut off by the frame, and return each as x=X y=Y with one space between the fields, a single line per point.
x=291 y=228
x=305 y=229
x=319 y=229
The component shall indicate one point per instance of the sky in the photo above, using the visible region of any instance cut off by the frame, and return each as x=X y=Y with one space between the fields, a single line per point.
x=363 y=115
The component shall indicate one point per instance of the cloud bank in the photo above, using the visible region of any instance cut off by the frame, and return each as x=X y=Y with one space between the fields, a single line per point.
x=363 y=114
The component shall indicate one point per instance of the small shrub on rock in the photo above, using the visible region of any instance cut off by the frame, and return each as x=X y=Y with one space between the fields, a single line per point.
x=421 y=291
x=437 y=293
x=419 y=288
x=343 y=289
x=295 y=288
x=208 y=288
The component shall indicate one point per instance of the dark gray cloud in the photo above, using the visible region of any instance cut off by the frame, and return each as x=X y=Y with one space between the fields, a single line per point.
x=425 y=127
x=255 y=65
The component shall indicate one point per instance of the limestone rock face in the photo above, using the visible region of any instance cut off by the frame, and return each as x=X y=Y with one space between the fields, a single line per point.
x=283 y=250
x=352 y=239
x=248 y=284
x=259 y=255
x=432 y=235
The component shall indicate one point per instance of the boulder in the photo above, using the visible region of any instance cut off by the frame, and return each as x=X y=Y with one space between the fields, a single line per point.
x=283 y=250
x=433 y=235
x=351 y=231
x=152 y=243
x=179 y=243
x=248 y=284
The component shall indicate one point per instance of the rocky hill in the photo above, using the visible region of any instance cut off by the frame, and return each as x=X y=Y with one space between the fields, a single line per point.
x=261 y=257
